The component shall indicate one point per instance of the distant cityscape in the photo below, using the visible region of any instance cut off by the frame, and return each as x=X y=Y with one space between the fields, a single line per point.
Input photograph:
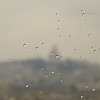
x=53 y=75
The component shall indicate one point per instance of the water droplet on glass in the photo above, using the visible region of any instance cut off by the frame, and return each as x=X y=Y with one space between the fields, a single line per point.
x=57 y=56
x=94 y=50
x=59 y=73
x=81 y=97
x=59 y=36
x=42 y=68
x=24 y=45
x=86 y=86
x=56 y=13
x=83 y=14
x=80 y=57
x=58 y=20
x=52 y=53
x=61 y=80
x=52 y=72
x=57 y=28
x=91 y=47
x=36 y=47
x=89 y=35
x=81 y=10
x=69 y=36
x=75 y=49
x=40 y=92
x=93 y=89
x=9 y=59
x=46 y=75
x=42 y=43
x=61 y=57
x=65 y=65
x=27 y=86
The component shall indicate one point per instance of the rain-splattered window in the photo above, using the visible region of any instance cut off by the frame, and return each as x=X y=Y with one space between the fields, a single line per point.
x=49 y=50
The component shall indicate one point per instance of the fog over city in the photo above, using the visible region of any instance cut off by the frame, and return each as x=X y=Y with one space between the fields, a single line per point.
x=49 y=50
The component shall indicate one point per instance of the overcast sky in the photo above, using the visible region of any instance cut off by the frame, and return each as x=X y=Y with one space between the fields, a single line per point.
x=72 y=25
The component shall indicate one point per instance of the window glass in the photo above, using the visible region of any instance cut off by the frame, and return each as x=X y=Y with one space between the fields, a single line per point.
x=49 y=50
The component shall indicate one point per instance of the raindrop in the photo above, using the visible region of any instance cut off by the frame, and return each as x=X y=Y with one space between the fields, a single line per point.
x=56 y=13
x=36 y=47
x=9 y=59
x=91 y=47
x=81 y=97
x=94 y=50
x=58 y=20
x=46 y=75
x=27 y=86
x=61 y=57
x=69 y=36
x=90 y=13
x=40 y=92
x=42 y=68
x=80 y=57
x=59 y=73
x=81 y=10
x=65 y=65
x=52 y=53
x=52 y=72
x=58 y=28
x=89 y=35
x=57 y=56
x=59 y=36
x=83 y=14
x=87 y=85
x=42 y=43
x=93 y=89
x=24 y=45
x=75 y=49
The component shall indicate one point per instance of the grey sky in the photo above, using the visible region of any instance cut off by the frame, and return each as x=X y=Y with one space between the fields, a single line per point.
x=35 y=21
